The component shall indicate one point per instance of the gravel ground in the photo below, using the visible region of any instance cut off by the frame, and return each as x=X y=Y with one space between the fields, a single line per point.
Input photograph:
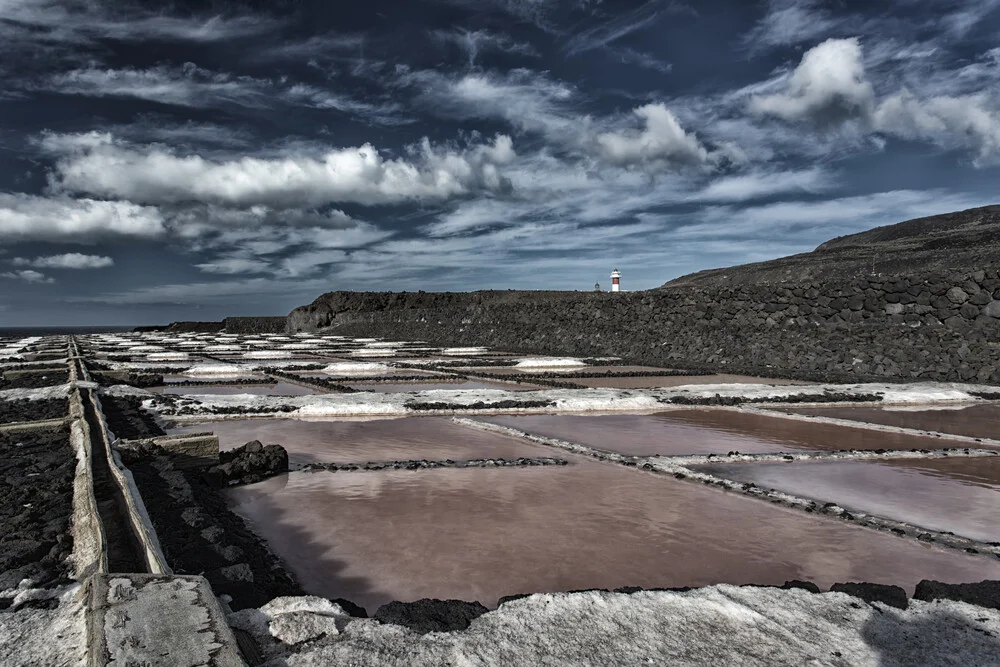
x=22 y=410
x=36 y=505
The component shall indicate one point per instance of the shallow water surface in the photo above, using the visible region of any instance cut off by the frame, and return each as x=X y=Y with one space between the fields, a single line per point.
x=975 y=421
x=957 y=495
x=276 y=389
x=707 y=431
x=478 y=534
x=345 y=441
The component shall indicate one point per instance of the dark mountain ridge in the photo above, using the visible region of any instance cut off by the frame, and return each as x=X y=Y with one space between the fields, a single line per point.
x=956 y=241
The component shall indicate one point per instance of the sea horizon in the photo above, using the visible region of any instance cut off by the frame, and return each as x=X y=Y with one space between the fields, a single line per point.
x=69 y=329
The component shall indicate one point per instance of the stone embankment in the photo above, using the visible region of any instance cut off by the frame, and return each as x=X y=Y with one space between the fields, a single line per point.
x=927 y=326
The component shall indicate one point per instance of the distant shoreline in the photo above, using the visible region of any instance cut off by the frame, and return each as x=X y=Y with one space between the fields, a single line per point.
x=7 y=332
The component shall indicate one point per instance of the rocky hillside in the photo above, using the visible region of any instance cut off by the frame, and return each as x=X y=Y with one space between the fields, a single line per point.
x=949 y=242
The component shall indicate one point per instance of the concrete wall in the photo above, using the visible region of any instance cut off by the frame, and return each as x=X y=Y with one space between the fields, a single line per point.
x=928 y=326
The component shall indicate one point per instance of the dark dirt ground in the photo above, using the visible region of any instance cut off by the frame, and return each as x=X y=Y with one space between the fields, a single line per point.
x=36 y=505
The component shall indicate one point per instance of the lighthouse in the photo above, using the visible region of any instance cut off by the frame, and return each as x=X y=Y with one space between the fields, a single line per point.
x=616 y=277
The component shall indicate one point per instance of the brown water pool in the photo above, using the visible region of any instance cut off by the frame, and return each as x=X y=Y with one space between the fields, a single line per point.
x=478 y=534
x=276 y=389
x=708 y=432
x=345 y=441
x=975 y=421
x=957 y=495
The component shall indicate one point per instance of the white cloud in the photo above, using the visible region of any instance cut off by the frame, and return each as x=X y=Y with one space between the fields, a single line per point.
x=32 y=218
x=27 y=275
x=621 y=25
x=789 y=22
x=971 y=121
x=663 y=140
x=476 y=42
x=232 y=265
x=189 y=86
x=829 y=86
x=97 y=164
x=71 y=260
x=765 y=184
x=529 y=101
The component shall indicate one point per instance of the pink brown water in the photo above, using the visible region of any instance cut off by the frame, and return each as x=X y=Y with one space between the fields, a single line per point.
x=708 y=432
x=975 y=421
x=276 y=389
x=478 y=534
x=376 y=440
x=957 y=495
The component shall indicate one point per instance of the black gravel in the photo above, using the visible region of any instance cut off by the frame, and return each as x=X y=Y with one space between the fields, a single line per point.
x=36 y=506
x=36 y=380
x=127 y=419
x=894 y=596
x=200 y=535
x=983 y=594
x=22 y=410
x=825 y=397
x=427 y=615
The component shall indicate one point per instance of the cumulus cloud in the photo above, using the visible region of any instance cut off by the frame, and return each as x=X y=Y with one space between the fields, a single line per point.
x=663 y=140
x=71 y=260
x=27 y=275
x=34 y=218
x=828 y=87
x=99 y=165
x=971 y=121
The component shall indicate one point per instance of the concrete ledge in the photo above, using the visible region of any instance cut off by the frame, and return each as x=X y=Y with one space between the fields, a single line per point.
x=145 y=619
x=40 y=425
x=197 y=450
x=141 y=525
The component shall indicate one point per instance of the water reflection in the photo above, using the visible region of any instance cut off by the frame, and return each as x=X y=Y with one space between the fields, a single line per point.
x=478 y=534
x=957 y=495
x=709 y=432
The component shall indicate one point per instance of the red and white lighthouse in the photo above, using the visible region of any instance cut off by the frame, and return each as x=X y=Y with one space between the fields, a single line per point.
x=616 y=277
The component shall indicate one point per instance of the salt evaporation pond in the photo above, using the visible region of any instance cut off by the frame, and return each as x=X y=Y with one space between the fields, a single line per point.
x=708 y=432
x=354 y=441
x=388 y=387
x=961 y=496
x=975 y=421
x=478 y=534
x=275 y=389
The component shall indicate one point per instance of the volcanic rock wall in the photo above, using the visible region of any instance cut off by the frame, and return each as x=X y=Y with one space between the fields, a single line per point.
x=928 y=326
x=254 y=325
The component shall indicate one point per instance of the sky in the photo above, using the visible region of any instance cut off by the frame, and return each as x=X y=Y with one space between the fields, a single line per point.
x=167 y=161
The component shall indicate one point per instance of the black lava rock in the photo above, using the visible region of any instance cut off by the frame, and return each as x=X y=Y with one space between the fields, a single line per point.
x=427 y=615
x=894 y=596
x=804 y=585
x=355 y=610
x=250 y=463
x=983 y=594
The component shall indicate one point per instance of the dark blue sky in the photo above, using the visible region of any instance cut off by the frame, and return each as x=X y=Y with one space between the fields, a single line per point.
x=214 y=158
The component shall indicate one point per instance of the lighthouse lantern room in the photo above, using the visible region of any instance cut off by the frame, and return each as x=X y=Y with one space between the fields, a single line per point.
x=616 y=277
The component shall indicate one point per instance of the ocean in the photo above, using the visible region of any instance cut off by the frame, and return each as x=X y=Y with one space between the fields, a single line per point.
x=24 y=332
